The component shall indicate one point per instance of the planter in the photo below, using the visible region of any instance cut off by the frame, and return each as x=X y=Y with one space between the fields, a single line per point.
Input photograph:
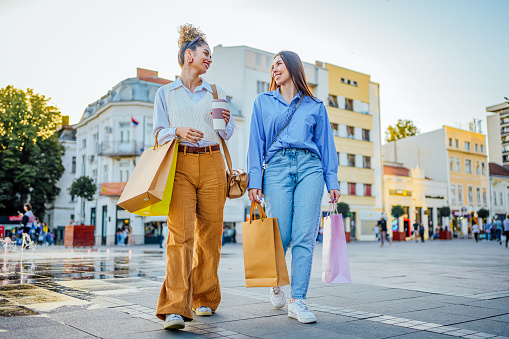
x=445 y=235
x=347 y=236
x=398 y=236
x=79 y=236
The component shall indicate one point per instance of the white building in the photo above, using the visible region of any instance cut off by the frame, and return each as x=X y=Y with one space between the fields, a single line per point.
x=110 y=137
x=499 y=187
x=60 y=212
x=498 y=133
x=419 y=196
x=244 y=72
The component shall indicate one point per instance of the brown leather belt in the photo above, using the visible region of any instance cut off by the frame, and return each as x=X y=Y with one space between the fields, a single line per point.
x=199 y=150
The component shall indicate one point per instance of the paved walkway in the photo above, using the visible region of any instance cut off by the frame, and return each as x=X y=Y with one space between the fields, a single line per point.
x=440 y=289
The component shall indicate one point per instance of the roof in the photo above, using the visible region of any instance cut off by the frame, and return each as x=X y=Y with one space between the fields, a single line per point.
x=396 y=170
x=498 y=170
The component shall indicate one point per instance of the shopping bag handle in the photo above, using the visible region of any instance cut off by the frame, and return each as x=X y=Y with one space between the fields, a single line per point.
x=260 y=211
x=157 y=142
x=333 y=209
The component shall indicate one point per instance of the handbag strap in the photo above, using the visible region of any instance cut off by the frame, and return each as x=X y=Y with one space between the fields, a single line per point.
x=260 y=211
x=287 y=122
x=225 y=149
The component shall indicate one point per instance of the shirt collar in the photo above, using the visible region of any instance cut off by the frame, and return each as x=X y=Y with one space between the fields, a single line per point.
x=178 y=83
x=277 y=94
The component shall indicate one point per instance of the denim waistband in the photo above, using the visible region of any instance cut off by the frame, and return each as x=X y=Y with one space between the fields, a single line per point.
x=284 y=151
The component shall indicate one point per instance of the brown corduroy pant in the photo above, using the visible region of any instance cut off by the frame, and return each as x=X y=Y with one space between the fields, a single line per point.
x=193 y=247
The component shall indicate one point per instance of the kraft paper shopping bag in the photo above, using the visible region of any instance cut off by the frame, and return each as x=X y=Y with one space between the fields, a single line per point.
x=148 y=184
x=264 y=257
x=335 y=265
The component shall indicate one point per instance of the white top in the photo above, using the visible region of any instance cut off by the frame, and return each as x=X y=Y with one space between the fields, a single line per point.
x=506 y=224
x=475 y=228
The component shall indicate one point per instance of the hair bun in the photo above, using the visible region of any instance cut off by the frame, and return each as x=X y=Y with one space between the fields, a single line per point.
x=187 y=33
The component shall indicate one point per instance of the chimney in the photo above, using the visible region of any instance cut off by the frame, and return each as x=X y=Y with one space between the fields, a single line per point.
x=65 y=120
x=145 y=73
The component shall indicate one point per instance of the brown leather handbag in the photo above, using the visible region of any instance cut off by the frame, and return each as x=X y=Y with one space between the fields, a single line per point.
x=236 y=180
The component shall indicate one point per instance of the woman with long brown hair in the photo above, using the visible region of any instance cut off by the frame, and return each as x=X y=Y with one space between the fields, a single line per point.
x=292 y=139
x=182 y=111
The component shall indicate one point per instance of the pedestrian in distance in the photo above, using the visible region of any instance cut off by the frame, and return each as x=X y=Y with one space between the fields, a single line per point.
x=382 y=223
x=376 y=229
x=498 y=230
x=291 y=134
x=28 y=218
x=416 y=231
x=182 y=111
x=475 y=231
x=506 y=229
x=421 y=232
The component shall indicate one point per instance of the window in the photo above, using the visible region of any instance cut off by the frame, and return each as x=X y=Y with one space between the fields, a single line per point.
x=351 y=188
x=453 y=195
x=73 y=198
x=451 y=163
x=457 y=143
x=333 y=100
x=477 y=169
x=94 y=175
x=367 y=190
x=366 y=162
x=460 y=195
x=258 y=59
x=483 y=168
x=83 y=165
x=501 y=200
x=351 y=160
x=335 y=128
x=477 y=147
x=84 y=143
x=350 y=130
x=262 y=86
x=458 y=165
x=73 y=165
x=96 y=142
x=450 y=142
x=478 y=196
x=467 y=146
x=105 y=174
x=495 y=198
x=349 y=104
x=470 y=192
x=484 y=197
x=482 y=148
x=365 y=134
x=468 y=166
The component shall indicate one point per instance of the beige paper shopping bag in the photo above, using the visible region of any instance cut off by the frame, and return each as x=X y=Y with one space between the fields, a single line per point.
x=147 y=183
x=264 y=257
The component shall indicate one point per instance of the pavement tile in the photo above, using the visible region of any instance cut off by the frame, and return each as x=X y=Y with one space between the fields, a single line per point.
x=443 y=329
x=503 y=318
x=487 y=326
x=48 y=332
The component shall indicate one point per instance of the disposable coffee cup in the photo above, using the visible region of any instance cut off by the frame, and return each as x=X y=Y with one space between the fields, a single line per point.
x=218 y=106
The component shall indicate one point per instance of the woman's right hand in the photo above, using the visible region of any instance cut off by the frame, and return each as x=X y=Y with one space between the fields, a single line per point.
x=190 y=134
x=255 y=195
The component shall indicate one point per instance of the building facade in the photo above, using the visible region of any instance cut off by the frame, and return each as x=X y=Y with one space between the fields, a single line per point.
x=499 y=187
x=110 y=137
x=419 y=196
x=451 y=155
x=498 y=133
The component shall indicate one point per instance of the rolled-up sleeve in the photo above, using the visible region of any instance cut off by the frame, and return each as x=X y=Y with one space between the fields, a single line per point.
x=161 y=120
x=256 y=147
x=325 y=143
x=230 y=128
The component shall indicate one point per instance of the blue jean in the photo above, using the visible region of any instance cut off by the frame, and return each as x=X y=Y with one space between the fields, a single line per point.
x=293 y=188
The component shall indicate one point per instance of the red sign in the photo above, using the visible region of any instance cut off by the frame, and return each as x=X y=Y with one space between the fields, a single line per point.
x=14 y=218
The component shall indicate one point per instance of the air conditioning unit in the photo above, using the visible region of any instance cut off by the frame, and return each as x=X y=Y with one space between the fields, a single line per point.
x=91 y=158
x=108 y=129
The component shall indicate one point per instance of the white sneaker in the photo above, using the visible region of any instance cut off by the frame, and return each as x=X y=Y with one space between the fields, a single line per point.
x=299 y=310
x=203 y=310
x=174 y=322
x=277 y=297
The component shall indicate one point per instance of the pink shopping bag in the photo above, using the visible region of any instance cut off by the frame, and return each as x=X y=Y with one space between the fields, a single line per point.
x=335 y=266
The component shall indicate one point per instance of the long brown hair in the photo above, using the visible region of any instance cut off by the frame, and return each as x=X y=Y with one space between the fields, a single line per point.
x=296 y=69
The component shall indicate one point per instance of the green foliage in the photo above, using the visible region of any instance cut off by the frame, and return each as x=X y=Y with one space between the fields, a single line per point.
x=397 y=211
x=343 y=208
x=83 y=187
x=444 y=211
x=483 y=213
x=403 y=129
x=30 y=153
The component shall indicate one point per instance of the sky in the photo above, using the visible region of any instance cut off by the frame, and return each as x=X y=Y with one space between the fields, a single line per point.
x=438 y=62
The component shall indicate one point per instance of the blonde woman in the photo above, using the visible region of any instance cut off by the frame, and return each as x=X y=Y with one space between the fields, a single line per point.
x=182 y=110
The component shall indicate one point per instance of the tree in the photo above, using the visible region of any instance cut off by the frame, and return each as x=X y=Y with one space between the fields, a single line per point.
x=444 y=211
x=30 y=153
x=483 y=213
x=343 y=208
x=397 y=211
x=85 y=188
x=403 y=129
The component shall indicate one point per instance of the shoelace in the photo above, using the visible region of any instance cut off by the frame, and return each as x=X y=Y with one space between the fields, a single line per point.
x=301 y=305
x=276 y=290
x=173 y=317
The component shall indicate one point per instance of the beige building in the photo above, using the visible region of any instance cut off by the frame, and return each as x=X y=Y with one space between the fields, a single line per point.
x=498 y=133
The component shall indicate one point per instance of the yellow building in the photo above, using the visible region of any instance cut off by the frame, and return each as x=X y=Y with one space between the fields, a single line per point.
x=455 y=156
x=353 y=107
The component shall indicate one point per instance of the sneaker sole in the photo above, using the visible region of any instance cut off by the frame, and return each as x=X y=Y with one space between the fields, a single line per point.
x=174 y=325
x=302 y=321
x=207 y=313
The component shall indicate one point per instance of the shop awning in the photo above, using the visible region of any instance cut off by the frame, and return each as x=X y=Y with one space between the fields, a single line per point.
x=112 y=188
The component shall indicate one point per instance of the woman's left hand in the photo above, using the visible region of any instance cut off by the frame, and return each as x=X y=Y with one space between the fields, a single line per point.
x=334 y=196
x=226 y=115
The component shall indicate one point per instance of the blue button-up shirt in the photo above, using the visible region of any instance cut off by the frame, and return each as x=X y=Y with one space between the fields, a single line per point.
x=309 y=129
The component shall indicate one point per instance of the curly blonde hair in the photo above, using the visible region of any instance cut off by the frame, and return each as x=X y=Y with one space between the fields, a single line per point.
x=188 y=33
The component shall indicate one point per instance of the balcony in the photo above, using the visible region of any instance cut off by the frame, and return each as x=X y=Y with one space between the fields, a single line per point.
x=120 y=149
